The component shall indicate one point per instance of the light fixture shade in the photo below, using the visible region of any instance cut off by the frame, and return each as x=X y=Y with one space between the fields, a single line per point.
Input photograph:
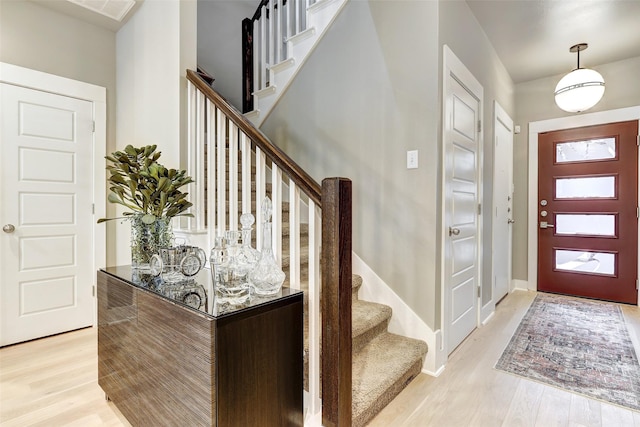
x=579 y=90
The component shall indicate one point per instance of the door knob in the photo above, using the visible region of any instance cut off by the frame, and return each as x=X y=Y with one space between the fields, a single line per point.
x=511 y=221
x=454 y=231
x=8 y=228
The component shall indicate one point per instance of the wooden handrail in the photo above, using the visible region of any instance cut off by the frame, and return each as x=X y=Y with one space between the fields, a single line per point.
x=262 y=4
x=301 y=178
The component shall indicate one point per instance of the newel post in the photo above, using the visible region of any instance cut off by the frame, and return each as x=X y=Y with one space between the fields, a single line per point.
x=336 y=302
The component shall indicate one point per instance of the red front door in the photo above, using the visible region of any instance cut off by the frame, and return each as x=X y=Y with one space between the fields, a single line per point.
x=587 y=212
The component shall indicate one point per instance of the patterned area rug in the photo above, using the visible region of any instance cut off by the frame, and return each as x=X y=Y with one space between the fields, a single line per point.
x=578 y=345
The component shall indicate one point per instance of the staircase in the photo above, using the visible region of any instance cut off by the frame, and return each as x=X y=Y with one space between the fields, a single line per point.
x=276 y=42
x=383 y=363
x=239 y=175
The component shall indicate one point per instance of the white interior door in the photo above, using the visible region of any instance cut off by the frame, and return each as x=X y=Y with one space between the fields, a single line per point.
x=462 y=151
x=46 y=258
x=502 y=202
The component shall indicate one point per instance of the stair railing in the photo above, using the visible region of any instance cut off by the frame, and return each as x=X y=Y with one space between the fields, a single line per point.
x=235 y=166
x=264 y=41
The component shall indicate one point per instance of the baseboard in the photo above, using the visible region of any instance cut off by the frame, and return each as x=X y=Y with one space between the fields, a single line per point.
x=404 y=320
x=522 y=285
x=488 y=319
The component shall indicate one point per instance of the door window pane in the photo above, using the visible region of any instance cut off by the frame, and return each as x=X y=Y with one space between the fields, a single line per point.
x=585 y=262
x=586 y=224
x=586 y=188
x=580 y=151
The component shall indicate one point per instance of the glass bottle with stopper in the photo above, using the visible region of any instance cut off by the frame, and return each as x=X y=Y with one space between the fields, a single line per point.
x=247 y=257
x=267 y=277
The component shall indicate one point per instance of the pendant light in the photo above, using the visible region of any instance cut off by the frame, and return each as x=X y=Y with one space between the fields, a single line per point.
x=581 y=89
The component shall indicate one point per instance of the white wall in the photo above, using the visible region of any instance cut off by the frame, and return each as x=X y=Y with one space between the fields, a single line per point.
x=473 y=48
x=153 y=50
x=36 y=37
x=367 y=94
x=220 y=43
x=535 y=102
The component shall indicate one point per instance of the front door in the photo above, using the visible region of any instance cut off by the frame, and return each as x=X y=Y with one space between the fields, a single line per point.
x=46 y=213
x=587 y=212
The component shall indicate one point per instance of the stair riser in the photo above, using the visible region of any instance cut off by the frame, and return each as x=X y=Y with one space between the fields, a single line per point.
x=363 y=339
x=367 y=415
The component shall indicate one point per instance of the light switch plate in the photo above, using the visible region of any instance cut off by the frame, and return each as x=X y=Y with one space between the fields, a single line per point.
x=412 y=159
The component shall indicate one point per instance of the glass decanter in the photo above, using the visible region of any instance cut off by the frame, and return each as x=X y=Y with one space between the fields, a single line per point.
x=228 y=284
x=247 y=257
x=267 y=278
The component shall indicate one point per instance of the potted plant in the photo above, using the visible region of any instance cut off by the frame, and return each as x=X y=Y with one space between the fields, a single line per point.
x=152 y=194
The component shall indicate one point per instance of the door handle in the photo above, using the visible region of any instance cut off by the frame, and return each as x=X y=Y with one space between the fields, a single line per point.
x=511 y=221
x=8 y=228
x=454 y=231
x=545 y=224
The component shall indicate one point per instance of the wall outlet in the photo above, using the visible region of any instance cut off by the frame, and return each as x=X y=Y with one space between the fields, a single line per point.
x=412 y=159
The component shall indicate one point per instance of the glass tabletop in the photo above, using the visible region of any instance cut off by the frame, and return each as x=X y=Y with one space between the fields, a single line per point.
x=195 y=292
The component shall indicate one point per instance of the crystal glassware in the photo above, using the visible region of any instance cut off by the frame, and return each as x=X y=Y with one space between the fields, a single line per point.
x=267 y=277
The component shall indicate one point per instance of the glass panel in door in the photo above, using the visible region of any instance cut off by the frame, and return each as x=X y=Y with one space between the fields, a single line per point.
x=589 y=150
x=586 y=224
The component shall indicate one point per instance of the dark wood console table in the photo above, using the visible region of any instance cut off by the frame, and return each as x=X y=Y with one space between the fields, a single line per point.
x=169 y=356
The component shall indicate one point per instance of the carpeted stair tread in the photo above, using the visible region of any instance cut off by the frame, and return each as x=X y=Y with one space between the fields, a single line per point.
x=368 y=319
x=356 y=283
x=381 y=370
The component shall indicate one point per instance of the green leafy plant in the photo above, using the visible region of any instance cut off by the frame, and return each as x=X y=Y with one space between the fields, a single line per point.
x=141 y=184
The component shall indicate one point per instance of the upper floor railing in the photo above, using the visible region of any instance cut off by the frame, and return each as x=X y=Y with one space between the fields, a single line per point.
x=264 y=41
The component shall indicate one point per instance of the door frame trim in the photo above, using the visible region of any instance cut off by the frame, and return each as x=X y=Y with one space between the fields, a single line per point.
x=97 y=95
x=582 y=120
x=454 y=67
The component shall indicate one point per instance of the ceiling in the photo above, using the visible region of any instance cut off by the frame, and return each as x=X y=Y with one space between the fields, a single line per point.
x=110 y=14
x=533 y=37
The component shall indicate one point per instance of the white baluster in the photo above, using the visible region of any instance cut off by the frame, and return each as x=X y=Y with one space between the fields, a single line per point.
x=221 y=121
x=272 y=30
x=278 y=41
x=294 y=235
x=192 y=94
x=315 y=325
x=261 y=175
x=289 y=7
x=276 y=197
x=296 y=16
x=211 y=171
x=245 y=151
x=197 y=197
x=233 y=176
x=263 y=49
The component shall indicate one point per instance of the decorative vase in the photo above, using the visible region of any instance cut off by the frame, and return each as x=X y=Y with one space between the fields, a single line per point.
x=266 y=278
x=148 y=235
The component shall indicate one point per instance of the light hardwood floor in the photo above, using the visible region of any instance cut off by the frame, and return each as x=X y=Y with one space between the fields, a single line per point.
x=53 y=382
x=470 y=392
